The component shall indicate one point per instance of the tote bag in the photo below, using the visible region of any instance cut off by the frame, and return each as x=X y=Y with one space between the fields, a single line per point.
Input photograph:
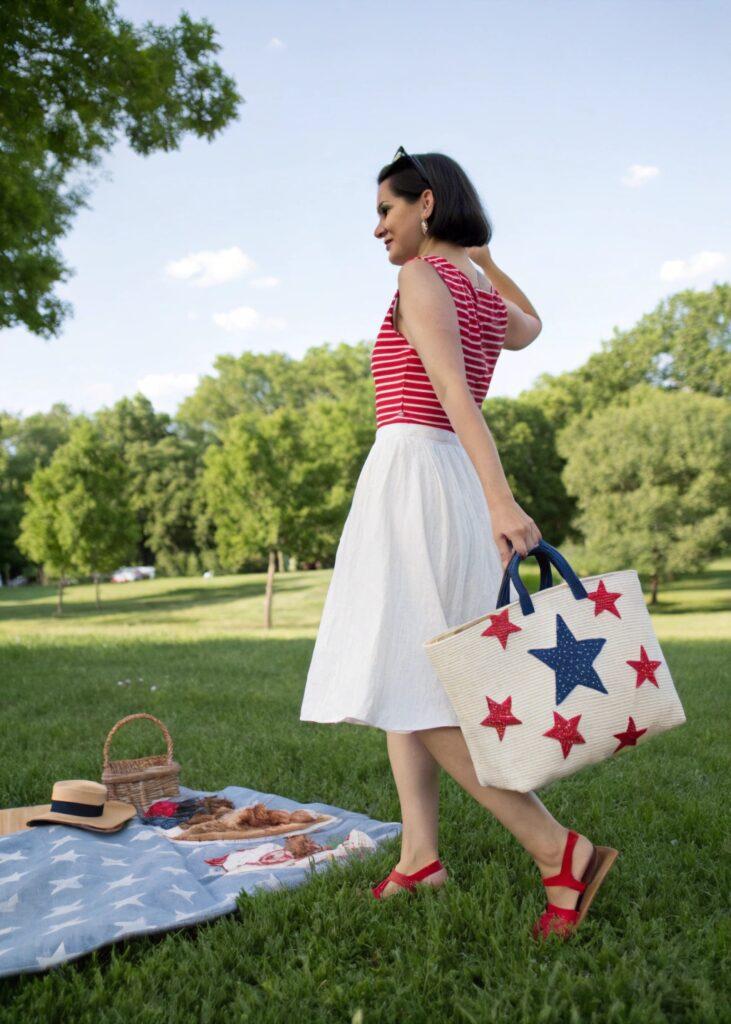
x=556 y=680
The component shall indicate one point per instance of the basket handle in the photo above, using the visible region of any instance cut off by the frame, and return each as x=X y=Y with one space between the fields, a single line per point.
x=129 y=718
x=546 y=583
x=556 y=558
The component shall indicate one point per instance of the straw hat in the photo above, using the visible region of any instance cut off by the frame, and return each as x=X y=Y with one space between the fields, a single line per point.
x=84 y=804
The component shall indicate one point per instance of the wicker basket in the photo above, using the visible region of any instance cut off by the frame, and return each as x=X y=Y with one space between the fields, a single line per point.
x=141 y=780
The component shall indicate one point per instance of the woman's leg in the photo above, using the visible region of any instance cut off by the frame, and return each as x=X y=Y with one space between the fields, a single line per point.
x=416 y=774
x=523 y=814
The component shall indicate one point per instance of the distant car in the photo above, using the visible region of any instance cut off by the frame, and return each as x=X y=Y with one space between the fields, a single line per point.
x=148 y=571
x=127 y=574
x=17 y=581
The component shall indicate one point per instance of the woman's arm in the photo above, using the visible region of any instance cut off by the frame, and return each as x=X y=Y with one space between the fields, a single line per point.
x=505 y=285
x=431 y=325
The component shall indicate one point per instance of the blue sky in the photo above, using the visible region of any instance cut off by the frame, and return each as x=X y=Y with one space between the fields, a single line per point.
x=597 y=134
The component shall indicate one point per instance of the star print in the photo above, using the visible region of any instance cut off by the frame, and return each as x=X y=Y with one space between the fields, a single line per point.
x=500 y=715
x=630 y=737
x=12 y=928
x=566 y=731
x=69 y=908
x=604 y=600
x=127 y=880
x=14 y=877
x=65 y=883
x=571 y=660
x=176 y=871
x=125 y=926
x=501 y=627
x=181 y=892
x=60 y=842
x=12 y=856
x=109 y=861
x=66 y=924
x=7 y=949
x=645 y=668
x=129 y=901
x=10 y=904
x=71 y=855
x=54 y=958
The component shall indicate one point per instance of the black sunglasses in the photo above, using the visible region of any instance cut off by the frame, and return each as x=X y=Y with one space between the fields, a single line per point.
x=415 y=161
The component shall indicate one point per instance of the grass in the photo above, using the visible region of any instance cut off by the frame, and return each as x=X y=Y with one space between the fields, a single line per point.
x=653 y=948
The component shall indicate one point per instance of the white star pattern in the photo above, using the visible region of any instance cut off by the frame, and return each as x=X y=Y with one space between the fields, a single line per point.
x=69 y=908
x=66 y=883
x=176 y=871
x=12 y=928
x=109 y=861
x=127 y=926
x=12 y=856
x=130 y=901
x=14 y=877
x=8 y=949
x=60 y=842
x=142 y=837
x=9 y=905
x=66 y=924
x=70 y=855
x=181 y=892
x=54 y=958
x=121 y=882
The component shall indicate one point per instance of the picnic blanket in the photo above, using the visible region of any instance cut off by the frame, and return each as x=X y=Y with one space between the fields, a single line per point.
x=65 y=891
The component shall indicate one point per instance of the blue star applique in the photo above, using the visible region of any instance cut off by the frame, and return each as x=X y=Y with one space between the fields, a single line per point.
x=571 y=660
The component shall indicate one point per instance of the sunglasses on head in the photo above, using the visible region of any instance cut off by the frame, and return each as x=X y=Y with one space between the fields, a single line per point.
x=416 y=162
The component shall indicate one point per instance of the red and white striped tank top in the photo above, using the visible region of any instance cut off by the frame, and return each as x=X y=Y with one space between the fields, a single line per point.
x=404 y=393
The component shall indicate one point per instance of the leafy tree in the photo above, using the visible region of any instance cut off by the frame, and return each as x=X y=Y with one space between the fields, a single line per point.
x=25 y=444
x=72 y=77
x=525 y=438
x=78 y=517
x=683 y=344
x=650 y=472
x=261 y=486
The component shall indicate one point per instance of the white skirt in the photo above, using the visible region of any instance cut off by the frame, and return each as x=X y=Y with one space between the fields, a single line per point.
x=416 y=557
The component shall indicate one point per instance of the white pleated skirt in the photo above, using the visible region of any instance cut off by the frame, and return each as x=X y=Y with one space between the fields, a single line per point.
x=416 y=557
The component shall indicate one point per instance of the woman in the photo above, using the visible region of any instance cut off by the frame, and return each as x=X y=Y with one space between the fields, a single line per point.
x=432 y=526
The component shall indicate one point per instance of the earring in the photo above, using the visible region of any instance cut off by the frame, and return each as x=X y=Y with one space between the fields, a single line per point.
x=424 y=227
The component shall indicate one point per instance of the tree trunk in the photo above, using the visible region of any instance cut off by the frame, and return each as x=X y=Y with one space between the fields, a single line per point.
x=96 y=581
x=59 y=599
x=280 y=560
x=654 y=581
x=269 y=589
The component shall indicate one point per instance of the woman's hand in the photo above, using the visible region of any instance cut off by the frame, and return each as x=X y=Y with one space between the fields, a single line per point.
x=513 y=529
x=479 y=254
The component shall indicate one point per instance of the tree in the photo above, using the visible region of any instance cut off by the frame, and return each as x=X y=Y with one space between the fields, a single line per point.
x=25 y=444
x=684 y=344
x=650 y=472
x=261 y=487
x=78 y=517
x=72 y=76
x=526 y=441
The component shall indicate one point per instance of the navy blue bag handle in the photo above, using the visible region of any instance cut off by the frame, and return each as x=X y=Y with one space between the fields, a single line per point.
x=545 y=584
x=512 y=572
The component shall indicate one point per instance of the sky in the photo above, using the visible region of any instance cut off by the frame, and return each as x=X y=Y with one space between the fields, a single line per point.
x=596 y=133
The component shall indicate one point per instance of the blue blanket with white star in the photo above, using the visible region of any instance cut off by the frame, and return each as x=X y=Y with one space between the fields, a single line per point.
x=65 y=891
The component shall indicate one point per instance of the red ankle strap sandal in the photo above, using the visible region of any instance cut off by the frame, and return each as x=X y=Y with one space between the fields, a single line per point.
x=564 y=920
x=406 y=881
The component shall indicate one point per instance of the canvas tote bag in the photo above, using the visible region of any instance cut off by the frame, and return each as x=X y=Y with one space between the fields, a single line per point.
x=559 y=679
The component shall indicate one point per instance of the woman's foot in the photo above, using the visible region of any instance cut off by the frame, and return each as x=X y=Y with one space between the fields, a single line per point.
x=436 y=879
x=563 y=895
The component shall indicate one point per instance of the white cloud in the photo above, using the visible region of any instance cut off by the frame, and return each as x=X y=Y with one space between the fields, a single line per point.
x=167 y=386
x=244 y=318
x=695 y=266
x=264 y=282
x=276 y=44
x=210 y=267
x=639 y=174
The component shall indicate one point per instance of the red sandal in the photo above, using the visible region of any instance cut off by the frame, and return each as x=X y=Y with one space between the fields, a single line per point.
x=406 y=881
x=565 y=920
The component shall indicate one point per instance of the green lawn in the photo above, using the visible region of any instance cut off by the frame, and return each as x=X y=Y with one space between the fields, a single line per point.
x=653 y=948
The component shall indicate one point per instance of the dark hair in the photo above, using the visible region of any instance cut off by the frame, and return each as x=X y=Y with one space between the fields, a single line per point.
x=458 y=215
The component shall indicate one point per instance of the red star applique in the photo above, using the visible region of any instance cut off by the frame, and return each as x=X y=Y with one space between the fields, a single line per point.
x=630 y=736
x=566 y=731
x=501 y=627
x=645 y=668
x=604 y=600
x=500 y=716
